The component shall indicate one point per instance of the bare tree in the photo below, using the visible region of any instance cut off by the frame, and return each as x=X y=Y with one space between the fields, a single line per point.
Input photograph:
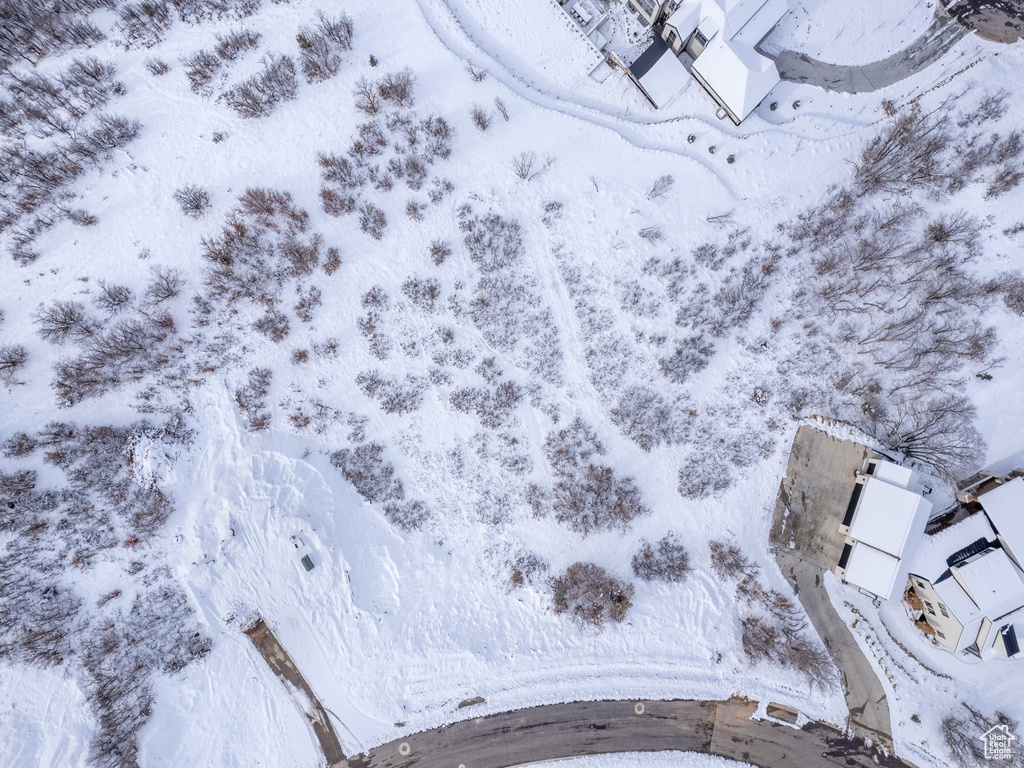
x=481 y=119
x=12 y=358
x=194 y=200
x=665 y=560
x=590 y=596
x=500 y=106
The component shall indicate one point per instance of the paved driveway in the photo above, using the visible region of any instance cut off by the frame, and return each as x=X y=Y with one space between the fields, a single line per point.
x=805 y=537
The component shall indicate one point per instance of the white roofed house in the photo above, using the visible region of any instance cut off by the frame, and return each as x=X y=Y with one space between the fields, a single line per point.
x=969 y=578
x=720 y=36
x=883 y=525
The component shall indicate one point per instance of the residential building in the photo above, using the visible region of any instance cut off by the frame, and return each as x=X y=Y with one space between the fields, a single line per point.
x=883 y=527
x=720 y=37
x=969 y=576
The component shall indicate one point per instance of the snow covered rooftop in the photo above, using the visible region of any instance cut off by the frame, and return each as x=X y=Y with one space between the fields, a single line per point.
x=994 y=583
x=895 y=474
x=873 y=570
x=729 y=66
x=660 y=73
x=888 y=515
x=932 y=559
x=1004 y=506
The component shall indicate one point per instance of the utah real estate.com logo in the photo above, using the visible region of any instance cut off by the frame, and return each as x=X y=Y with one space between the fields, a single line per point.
x=998 y=743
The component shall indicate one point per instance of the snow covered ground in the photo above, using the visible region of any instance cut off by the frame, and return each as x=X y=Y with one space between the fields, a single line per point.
x=394 y=628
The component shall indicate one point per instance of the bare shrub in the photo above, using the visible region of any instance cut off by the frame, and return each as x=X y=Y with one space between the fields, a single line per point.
x=502 y=109
x=908 y=153
x=260 y=94
x=396 y=396
x=526 y=568
x=373 y=221
x=333 y=261
x=369 y=472
x=19 y=445
x=165 y=284
x=424 y=293
x=527 y=166
x=481 y=118
x=113 y=298
x=661 y=187
x=398 y=88
x=651 y=234
x=439 y=251
x=193 y=200
x=200 y=68
x=307 y=303
x=665 y=560
x=321 y=46
x=366 y=95
x=647 y=418
x=590 y=596
x=157 y=67
x=144 y=22
x=63 y=320
x=232 y=44
x=12 y=358
x=274 y=325
x=729 y=562
x=587 y=496
x=409 y=515
x=704 y=474
x=763 y=640
x=251 y=399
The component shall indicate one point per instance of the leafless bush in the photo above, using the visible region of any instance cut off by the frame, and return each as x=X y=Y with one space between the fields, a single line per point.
x=396 y=396
x=307 y=303
x=333 y=261
x=651 y=234
x=251 y=399
x=661 y=187
x=113 y=298
x=477 y=75
x=372 y=221
x=424 y=293
x=321 y=46
x=366 y=95
x=647 y=418
x=704 y=474
x=63 y=320
x=767 y=641
x=19 y=445
x=200 y=69
x=908 y=153
x=12 y=358
x=481 y=118
x=194 y=200
x=232 y=44
x=665 y=560
x=274 y=325
x=398 y=87
x=587 y=496
x=370 y=474
x=729 y=562
x=157 y=67
x=260 y=94
x=590 y=596
x=409 y=515
x=439 y=251
x=526 y=166
x=502 y=109
x=144 y=22
x=690 y=355
x=526 y=568
x=166 y=283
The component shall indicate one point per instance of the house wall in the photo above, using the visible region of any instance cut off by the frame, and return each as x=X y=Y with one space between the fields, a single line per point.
x=1010 y=553
x=648 y=10
x=949 y=626
x=711 y=92
x=671 y=36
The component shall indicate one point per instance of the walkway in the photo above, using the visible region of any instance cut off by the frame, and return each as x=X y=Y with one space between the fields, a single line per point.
x=559 y=731
x=282 y=665
x=941 y=35
x=805 y=536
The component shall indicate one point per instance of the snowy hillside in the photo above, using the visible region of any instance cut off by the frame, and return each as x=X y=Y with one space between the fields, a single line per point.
x=514 y=357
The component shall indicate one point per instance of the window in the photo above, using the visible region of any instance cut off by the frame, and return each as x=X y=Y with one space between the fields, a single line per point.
x=944 y=611
x=701 y=40
x=940 y=634
x=921 y=585
x=930 y=607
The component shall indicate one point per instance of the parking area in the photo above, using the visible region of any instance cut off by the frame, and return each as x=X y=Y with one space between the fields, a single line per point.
x=805 y=538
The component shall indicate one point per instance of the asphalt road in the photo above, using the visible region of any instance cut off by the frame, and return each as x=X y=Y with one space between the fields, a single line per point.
x=559 y=731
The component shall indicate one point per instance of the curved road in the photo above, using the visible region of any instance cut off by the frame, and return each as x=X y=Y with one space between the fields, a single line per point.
x=940 y=36
x=557 y=731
